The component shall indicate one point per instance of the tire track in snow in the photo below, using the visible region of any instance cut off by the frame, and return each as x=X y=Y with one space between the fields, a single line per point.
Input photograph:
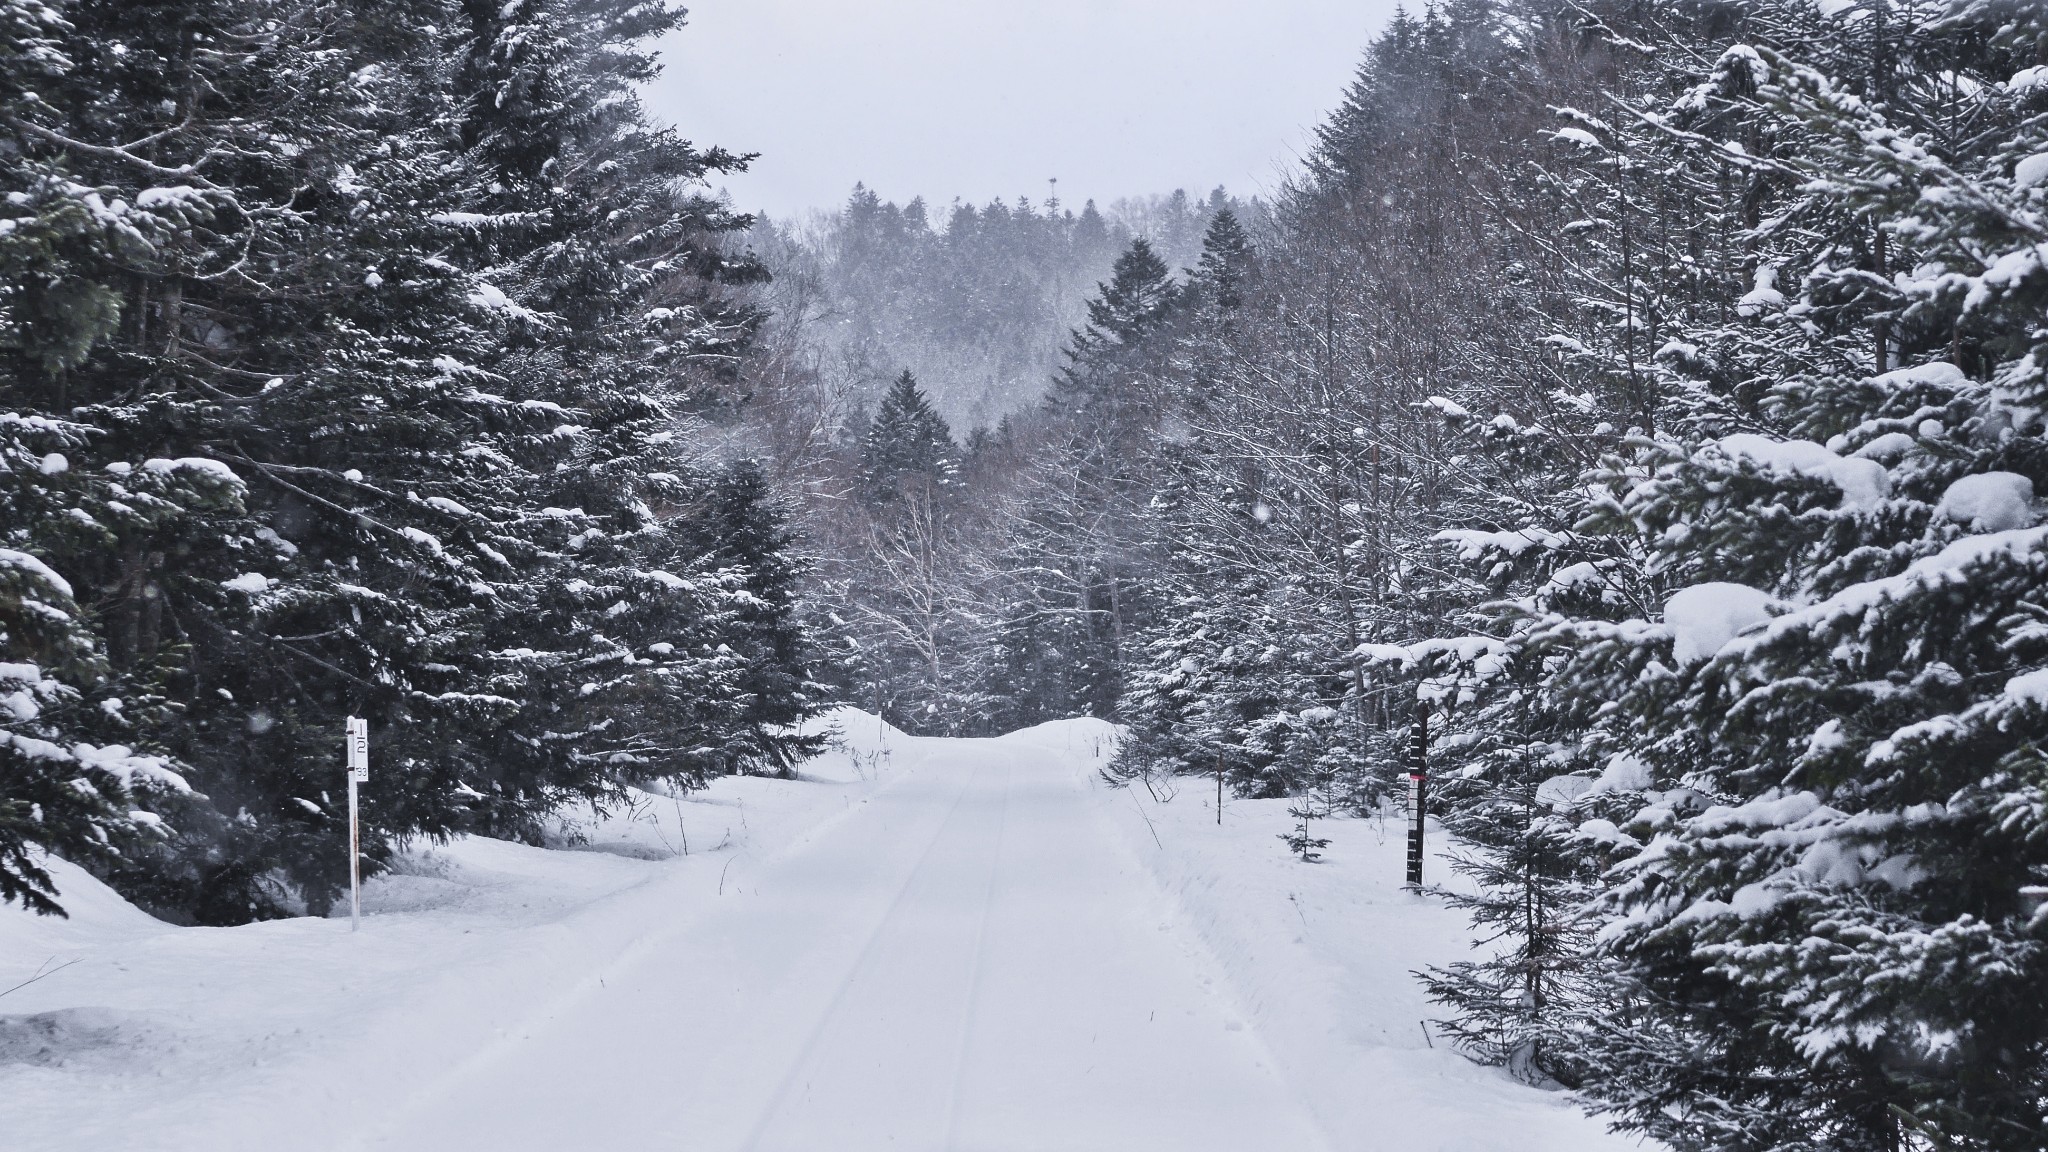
x=516 y=1036
x=802 y=1058
x=967 y=1013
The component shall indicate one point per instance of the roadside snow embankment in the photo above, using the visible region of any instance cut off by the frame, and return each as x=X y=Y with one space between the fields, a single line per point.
x=1322 y=956
x=142 y=1035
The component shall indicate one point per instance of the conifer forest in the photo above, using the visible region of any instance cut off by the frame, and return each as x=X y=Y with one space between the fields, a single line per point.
x=1635 y=411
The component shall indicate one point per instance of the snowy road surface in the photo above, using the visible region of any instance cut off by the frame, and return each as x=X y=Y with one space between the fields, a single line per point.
x=923 y=945
x=977 y=962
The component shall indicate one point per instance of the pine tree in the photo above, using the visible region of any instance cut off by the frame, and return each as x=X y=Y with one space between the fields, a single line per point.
x=189 y=376
x=1825 y=925
x=1227 y=263
x=617 y=635
x=741 y=530
x=903 y=586
x=445 y=317
x=1138 y=297
x=71 y=783
x=907 y=448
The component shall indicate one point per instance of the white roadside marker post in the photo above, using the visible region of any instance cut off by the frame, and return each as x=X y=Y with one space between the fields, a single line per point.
x=1418 y=794
x=358 y=773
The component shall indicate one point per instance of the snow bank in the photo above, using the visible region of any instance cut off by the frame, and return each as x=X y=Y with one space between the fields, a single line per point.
x=1321 y=958
x=147 y=1035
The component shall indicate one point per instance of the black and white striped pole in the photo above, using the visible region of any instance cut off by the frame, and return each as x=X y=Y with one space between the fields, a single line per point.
x=358 y=774
x=1418 y=793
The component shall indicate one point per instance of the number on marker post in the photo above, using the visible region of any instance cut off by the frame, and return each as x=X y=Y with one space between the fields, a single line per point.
x=359 y=750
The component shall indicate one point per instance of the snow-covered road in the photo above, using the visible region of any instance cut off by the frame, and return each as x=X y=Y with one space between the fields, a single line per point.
x=974 y=961
x=922 y=945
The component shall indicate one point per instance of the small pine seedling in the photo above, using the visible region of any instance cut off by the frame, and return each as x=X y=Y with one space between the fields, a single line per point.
x=1299 y=841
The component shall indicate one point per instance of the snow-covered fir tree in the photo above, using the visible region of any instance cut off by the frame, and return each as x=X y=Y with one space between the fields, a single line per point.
x=1829 y=919
x=382 y=350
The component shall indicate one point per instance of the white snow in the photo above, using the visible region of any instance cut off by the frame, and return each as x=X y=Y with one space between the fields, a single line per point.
x=490 y=296
x=1889 y=446
x=9 y=558
x=1774 y=809
x=1473 y=544
x=1318 y=958
x=177 y=196
x=1947 y=567
x=451 y=367
x=1561 y=792
x=2031 y=170
x=249 y=582
x=1705 y=617
x=428 y=540
x=1763 y=294
x=1573 y=576
x=1623 y=773
x=2029 y=688
x=1935 y=373
x=161 y=1037
x=1864 y=483
x=1989 y=502
x=129 y=766
x=212 y=468
x=921 y=944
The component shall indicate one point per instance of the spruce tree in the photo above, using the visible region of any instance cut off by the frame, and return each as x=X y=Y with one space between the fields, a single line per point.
x=1825 y=921
x=1138 y=297
x=907 y=450
x=740 y=531
x=406 y=342
x=73 y=780
x=905 y=590
x=1227 y=262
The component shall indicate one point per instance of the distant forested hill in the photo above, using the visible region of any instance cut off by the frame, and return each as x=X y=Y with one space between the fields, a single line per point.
x=976 y=301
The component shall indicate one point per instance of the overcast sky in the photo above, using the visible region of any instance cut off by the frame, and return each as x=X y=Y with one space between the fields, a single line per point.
x=983 y=98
